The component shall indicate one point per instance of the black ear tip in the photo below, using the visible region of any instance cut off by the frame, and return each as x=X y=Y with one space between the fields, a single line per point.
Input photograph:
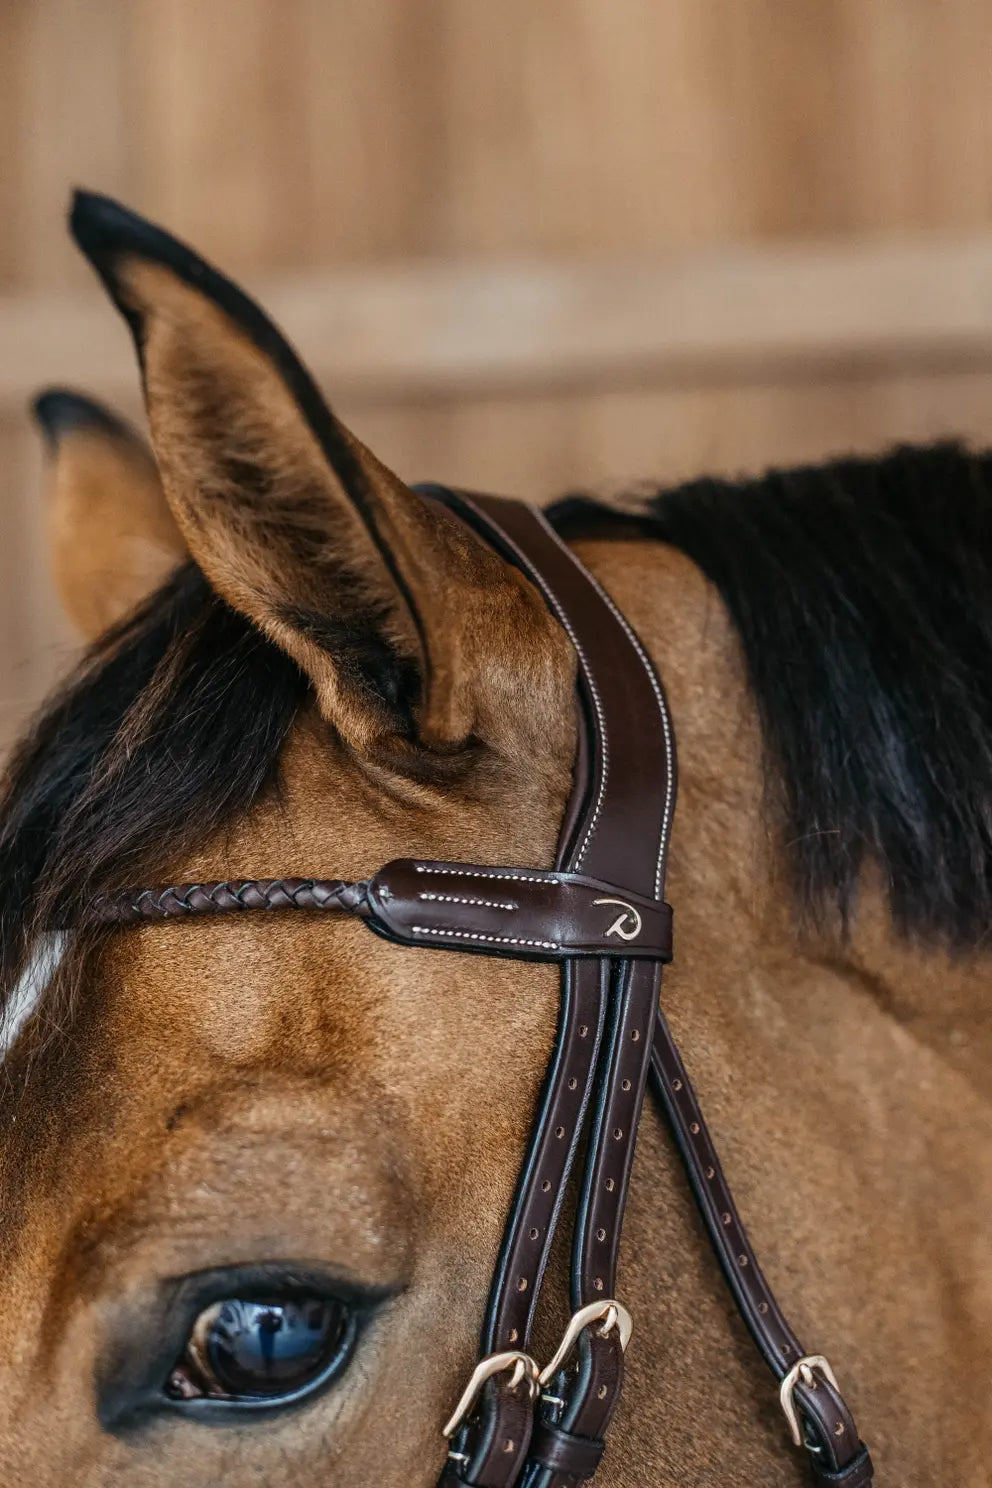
x=60 y=412
x=102 y=227
x=114 y=238
x=93 y=218
x=107 y=231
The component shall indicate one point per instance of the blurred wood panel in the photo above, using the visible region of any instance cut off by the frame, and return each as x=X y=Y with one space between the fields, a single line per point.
x=540 y=446
x=530 y=246
x=464 y=327
x=36 y=640
x=281 y=133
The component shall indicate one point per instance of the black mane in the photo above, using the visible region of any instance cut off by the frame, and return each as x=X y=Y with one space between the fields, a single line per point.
x=862 y=591
x=170 y=728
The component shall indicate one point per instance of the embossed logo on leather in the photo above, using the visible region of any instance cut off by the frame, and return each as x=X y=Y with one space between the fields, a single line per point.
x=627 y=925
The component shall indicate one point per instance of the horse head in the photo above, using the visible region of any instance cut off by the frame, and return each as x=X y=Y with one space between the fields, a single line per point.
x=287 y=1124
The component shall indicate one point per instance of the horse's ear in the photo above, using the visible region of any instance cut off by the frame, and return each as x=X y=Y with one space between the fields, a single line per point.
x=410 y=628
x=113 y=538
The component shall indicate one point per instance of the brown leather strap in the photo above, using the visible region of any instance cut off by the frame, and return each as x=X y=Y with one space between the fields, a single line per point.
x=831 y=1435
x=589 y=1398
x=617 y=830
x=495 y=1453
x=857 y=1474
x=830 y=1432
x=554 y=1139
x=585 y=1402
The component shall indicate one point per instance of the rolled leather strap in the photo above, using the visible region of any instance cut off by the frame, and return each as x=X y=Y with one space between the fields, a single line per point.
x=831 y=1434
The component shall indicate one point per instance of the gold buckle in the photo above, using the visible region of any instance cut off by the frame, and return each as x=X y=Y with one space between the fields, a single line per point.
x=612 y=1314
x=802 y=1370
x=524 y=1368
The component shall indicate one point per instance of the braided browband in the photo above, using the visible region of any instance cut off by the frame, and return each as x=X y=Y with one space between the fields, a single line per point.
x=522 y=912
x=176 y=901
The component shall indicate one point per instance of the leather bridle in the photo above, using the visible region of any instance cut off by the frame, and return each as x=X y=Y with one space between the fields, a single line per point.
x=601 y=914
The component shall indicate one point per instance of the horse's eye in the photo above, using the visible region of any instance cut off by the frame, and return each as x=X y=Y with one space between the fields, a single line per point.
x=263 y=1350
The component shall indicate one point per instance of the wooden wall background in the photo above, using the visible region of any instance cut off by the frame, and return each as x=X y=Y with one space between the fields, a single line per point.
x=527 y=244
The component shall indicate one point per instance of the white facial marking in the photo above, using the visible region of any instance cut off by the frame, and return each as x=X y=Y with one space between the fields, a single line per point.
x=37 y=975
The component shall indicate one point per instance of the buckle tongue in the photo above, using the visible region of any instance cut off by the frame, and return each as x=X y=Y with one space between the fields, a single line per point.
x=802 y=1373
x=612 y=1314
x=524 y=1368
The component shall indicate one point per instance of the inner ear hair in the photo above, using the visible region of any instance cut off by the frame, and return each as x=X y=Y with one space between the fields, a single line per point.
x=266 y=516
x=409 y=627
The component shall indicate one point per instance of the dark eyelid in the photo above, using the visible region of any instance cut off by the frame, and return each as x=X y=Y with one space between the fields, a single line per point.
x=145 y=1337
x=200 y=1288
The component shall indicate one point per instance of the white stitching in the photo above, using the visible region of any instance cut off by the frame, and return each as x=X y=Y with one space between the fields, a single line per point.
x=659 y=695
x=544 y=945
x=667 y=729
x=480 y=873
x=454 y=899
x=594 y=693
x=603 y=736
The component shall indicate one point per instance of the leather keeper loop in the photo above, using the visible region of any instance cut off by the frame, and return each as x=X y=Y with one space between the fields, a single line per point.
x=561 y=1451
x=857 y=1474
x=496 y=1443
x=526 y=913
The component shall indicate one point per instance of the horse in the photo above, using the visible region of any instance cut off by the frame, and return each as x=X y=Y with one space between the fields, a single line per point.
x=295 y=661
